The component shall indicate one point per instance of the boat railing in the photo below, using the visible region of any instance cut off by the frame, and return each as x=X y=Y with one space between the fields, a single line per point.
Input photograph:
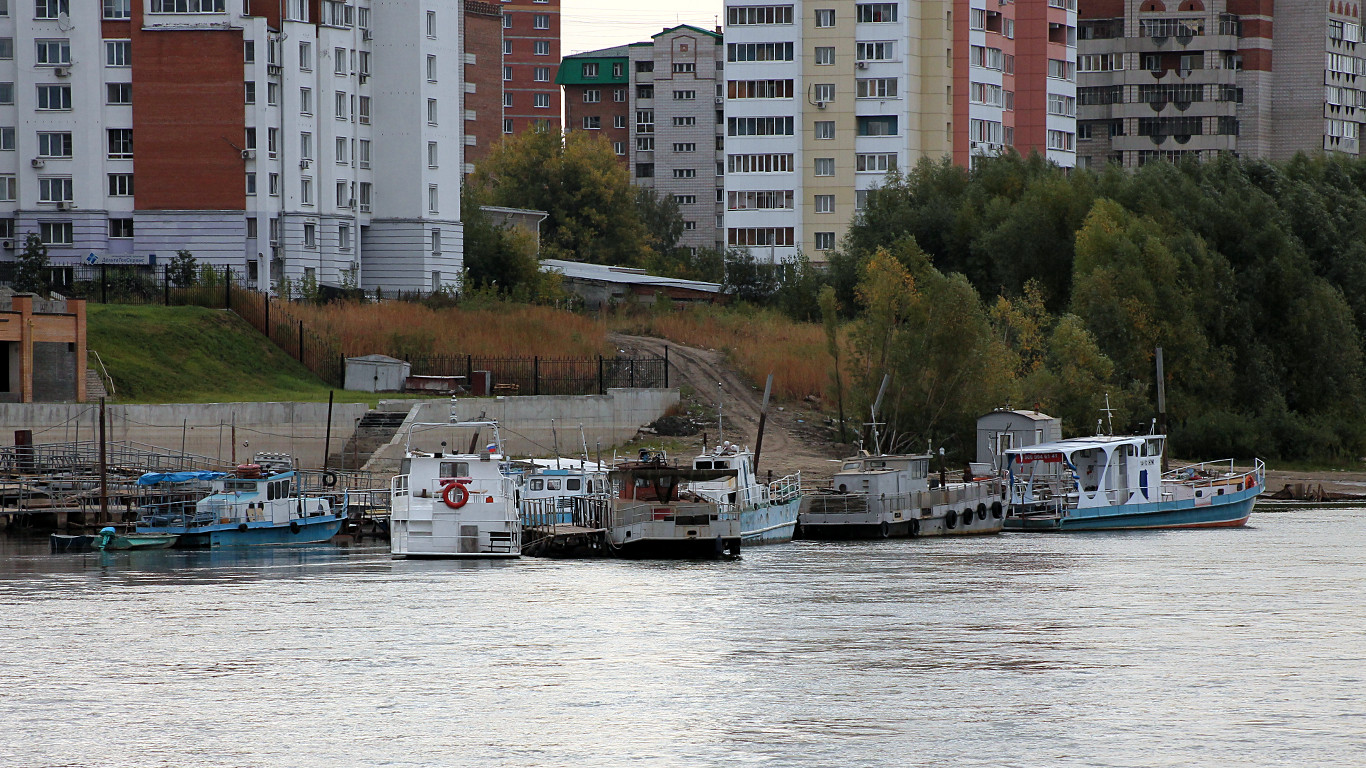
x=972 y=494
x=1207 y=474
x=579 y=511
x=173 y=514
x=686 y=513
x=785 y=488
x=1056 y=492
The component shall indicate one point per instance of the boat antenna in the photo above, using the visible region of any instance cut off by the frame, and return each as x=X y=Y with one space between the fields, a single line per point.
x=584 y=440
x=1109 y=413
x=720 y=423
x=877 y=404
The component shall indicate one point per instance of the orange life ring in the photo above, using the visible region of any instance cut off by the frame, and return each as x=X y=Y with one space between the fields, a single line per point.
x=446 y=495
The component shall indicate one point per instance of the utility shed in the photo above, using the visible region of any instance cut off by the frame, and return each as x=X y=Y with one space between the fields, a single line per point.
x=600 y=285
x=1003 y=429
x=376 y=373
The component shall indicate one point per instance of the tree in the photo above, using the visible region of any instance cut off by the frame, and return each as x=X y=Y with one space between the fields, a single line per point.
x=182 y=270
x=830 y=309
x=498 y=257
x=30 y=270
x=662 y=220
x=591 y=212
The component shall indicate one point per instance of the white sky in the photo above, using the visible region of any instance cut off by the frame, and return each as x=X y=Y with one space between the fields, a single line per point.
x=587 y=25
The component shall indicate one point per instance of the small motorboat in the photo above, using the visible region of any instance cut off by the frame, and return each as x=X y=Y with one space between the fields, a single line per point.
x=109 y=539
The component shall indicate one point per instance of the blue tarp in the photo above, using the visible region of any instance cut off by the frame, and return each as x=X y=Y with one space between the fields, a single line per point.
x=152 y=478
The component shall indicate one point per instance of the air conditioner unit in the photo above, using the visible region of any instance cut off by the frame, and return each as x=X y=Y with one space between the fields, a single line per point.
x=248 y=154
x=61 y=71
x=38 y=162
x=365 y=34
x=65 y=205
x=861 y=64
x=720 y=100
x=304 y=164
x=7 y=245
x=820 y=105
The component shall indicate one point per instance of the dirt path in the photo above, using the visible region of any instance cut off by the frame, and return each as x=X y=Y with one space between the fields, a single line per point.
x=793 y=439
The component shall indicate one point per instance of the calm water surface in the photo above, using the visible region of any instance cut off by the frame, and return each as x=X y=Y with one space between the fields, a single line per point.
x=1221 y=648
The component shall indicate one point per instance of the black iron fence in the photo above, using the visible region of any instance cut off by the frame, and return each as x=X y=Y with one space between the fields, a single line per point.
x=550 y=375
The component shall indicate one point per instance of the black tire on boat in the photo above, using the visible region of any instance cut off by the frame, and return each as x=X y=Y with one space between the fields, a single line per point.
x=293 y=526
x=996 y=509
x=886 y=530
x=329 y=478
x=981 y=511
x=951 y=520
x=242 y=527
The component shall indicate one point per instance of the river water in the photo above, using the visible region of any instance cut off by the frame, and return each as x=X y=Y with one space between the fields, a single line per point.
x=1222 y=647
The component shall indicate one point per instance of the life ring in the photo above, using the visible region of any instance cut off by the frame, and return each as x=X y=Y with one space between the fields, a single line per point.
x=446 y=495
x=293 y=526
x=886 y=530
x=996 y=509
x=981 y=511
x=329 y=478
x=242 y=527
x=951 y=520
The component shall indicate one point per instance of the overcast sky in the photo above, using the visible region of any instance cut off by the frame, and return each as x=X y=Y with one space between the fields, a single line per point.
x=588 y=25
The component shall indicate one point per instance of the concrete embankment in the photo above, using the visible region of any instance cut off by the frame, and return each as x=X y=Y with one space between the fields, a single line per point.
x=299 y=428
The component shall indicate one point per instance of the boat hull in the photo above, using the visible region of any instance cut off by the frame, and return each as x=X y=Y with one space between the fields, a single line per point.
x=1232 y=513
x=677 y=549
x=773 y=524
x=305 y=531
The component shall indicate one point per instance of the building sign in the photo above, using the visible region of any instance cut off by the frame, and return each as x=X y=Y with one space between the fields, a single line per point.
x=121 y=259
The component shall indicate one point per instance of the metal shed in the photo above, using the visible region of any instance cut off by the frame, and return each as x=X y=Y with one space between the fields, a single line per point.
x=1004 y=428
x=376 y=373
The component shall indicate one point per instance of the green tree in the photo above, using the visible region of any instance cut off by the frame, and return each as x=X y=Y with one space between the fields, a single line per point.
x=30 y=269
x=498 y=257
x=662 y=220
x=182 y=270
x=591 y=214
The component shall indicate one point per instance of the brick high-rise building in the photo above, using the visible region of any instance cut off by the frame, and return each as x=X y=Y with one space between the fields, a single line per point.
x=596 y=86
x=531 y=56
x=483 y=75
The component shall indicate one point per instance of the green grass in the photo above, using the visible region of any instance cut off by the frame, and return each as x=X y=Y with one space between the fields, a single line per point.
x=196 y=355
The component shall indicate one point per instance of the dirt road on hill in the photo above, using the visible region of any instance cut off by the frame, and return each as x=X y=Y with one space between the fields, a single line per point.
x=794 y=438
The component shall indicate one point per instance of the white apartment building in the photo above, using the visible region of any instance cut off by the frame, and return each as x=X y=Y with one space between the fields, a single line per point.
x=247 y=132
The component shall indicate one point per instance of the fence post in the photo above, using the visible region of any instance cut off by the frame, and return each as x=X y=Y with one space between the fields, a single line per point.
x=166 y=284
x=104 y=284
x=341 y=371
x=227 y=287
x=267 y=300
x=633 y=373
x=535 y=375
x=469 y=370
x=666 y=366
x=301 y=341
x=601 y=390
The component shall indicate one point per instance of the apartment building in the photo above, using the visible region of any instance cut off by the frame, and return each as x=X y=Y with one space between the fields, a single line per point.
x=482 y=64
x=660 y=104
x=246 y=132
x=531 y=56
x=824 y=98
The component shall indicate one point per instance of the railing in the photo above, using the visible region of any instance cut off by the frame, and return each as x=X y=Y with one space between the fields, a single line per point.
x=591 y=512
x=684 y=513
x=124 y=456
x=1207 y=474
x=550 y=375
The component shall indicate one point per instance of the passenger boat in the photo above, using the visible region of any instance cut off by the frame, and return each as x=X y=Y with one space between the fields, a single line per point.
x=110 y=539
x=1108 y=482
x=457 y=505
x=549 y=489
x=768 y=510
x=262 y=503
x=889 y=496
x=652 y=514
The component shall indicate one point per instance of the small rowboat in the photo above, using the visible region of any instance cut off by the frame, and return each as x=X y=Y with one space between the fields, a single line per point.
x=110 y=539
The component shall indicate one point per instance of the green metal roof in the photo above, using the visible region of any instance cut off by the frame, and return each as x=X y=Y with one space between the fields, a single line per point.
x=572 y=68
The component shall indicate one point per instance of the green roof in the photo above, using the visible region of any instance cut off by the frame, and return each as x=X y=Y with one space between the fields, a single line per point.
x=572 y=68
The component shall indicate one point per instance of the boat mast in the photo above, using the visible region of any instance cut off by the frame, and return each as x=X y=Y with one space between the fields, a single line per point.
x=882 y=390
x=763 y=418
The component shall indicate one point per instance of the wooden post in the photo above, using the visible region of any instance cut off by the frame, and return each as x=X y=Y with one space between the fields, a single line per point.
x=76 y=308
x=104 y=470
x=1162 y=409
x=267 y=300
x=23 y=304
x=763 y=419
x=327 y=440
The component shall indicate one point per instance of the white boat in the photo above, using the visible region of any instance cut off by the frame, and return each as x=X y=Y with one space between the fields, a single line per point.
x=1107 y=482
x=460 y=505
x=768 y=510
x=889 y=495
x=651 y=514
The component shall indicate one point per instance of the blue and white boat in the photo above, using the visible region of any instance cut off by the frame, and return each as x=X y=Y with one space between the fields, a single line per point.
x=768 y=510
x=261 y=504
x=1108 y=482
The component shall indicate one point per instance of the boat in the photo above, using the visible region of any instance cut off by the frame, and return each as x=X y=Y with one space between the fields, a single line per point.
x=262 y=503
x=548 y=489
x=109 y=539
x=1115 y=482
x=652 y=514
x=884 y=496
x=456 y=505
x=768 y=510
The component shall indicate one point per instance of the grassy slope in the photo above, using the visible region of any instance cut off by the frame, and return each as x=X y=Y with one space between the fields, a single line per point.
x=195 y=355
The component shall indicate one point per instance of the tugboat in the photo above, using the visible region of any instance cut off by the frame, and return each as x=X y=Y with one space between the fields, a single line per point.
x=459 y=505
x=652 y=514
x=768 y=511
x=260 y=504
x=1107 y=483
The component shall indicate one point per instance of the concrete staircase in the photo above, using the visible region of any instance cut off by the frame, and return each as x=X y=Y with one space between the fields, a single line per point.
x=94 y=386
x=376 y=429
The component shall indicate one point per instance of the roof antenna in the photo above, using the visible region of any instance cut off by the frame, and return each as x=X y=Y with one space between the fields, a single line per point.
x=1109 y=414
x=882 y=390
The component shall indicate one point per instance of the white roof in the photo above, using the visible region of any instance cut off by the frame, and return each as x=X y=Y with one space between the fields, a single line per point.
x=1074 y=444
x=375 y=359
x=1031 y=415
x=625 y=275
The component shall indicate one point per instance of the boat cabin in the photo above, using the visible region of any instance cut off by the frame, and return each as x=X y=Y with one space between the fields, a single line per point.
x=1101 y=471
x=742 y=488
x=883 y=475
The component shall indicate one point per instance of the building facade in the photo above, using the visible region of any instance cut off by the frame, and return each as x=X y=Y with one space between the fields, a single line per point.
x=483 y=77
x=255 y=125
x=824 y=98
x=531 y=56
x=595 y=95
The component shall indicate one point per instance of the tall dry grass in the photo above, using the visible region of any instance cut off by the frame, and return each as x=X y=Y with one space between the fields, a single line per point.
x=500 y=329
x=756 y=343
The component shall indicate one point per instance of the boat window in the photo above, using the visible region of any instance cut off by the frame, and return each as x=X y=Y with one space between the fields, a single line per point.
x=851 y=465
x=405 y=466
x=572 y=484
x=552 y=485
x=721 y=465
x=455 y=469
x=272 y=491
x=920 y=469
x=704 y=465
x=239 y=485
x=538 y=485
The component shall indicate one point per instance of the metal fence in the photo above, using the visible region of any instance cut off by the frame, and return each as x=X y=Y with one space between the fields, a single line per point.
x=550 y=375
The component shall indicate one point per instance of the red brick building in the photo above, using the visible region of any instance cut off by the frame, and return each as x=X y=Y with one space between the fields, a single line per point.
x=596 y=96
x=483 y=79
x=531 y=56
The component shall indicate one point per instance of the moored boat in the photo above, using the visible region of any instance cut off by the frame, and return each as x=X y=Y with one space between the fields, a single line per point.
x=652 y=514
x=109 y=539
x=768 y=510
x=1108 y=482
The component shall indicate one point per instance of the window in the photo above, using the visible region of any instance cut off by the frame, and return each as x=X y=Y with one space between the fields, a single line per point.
x=507 y=100
x=310 y=235
x=619 y=121
x=118 y=9
x=592 y=123
x=188 y=6
x=685 y=173
x=305 y=101
x=878 y=51
x=759 y=89
x=877 y=88
x=875 y=163
x=273 y=184
x=825 y=241
x=51 y=53
x=749 y=15
x=684 y=121
x=645 y=121
x=507 y=125
x=340 y=101
x=759 y=236
x=645 y=170
x=340 y=150
x=9 y=191
x=432 y=199
x=1061 y=70
x=825 y=17
x=689 y=225
x=507 y=74
x=539 y=74
x=825 y=166
x=592 y=96
x=618 y=147
x=431 y=154
x=249 y=92
x=825 y=56
x=685 y=95
x=272 y=93
x=6 y=93
x=877 y=125
x=55 y=190
x=306 y=191
x=118 y=93
x=251 y=187
x=431 y=111
x=431 y=68
x=122 y=228
x=685 y=199
x=305 y=56
x=364 y=153
x=645 y=91
x=823 y=92
x=54 y=97
x=1061 y=140
x=876 y=13
x=1066 y=106
x=120 y=142
x=759 y=126
x=343 y=198
x=305 y=146
x=541 y=48
x=540 y=21
x=590 y=70
x=540 y=100
x=55 y=233
x=431 y=24
x=685 y=147
x=120 y=185
x=365 y=194
x=51 y=9
x=272 y=140
x=759 y=163
x=339 y=61
x=248 y=51
x=7 y=139
x=365 y=109
x=825 y=203
x=118 y=53
x=683 y=68
x=619 y=95
x=780 y=199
